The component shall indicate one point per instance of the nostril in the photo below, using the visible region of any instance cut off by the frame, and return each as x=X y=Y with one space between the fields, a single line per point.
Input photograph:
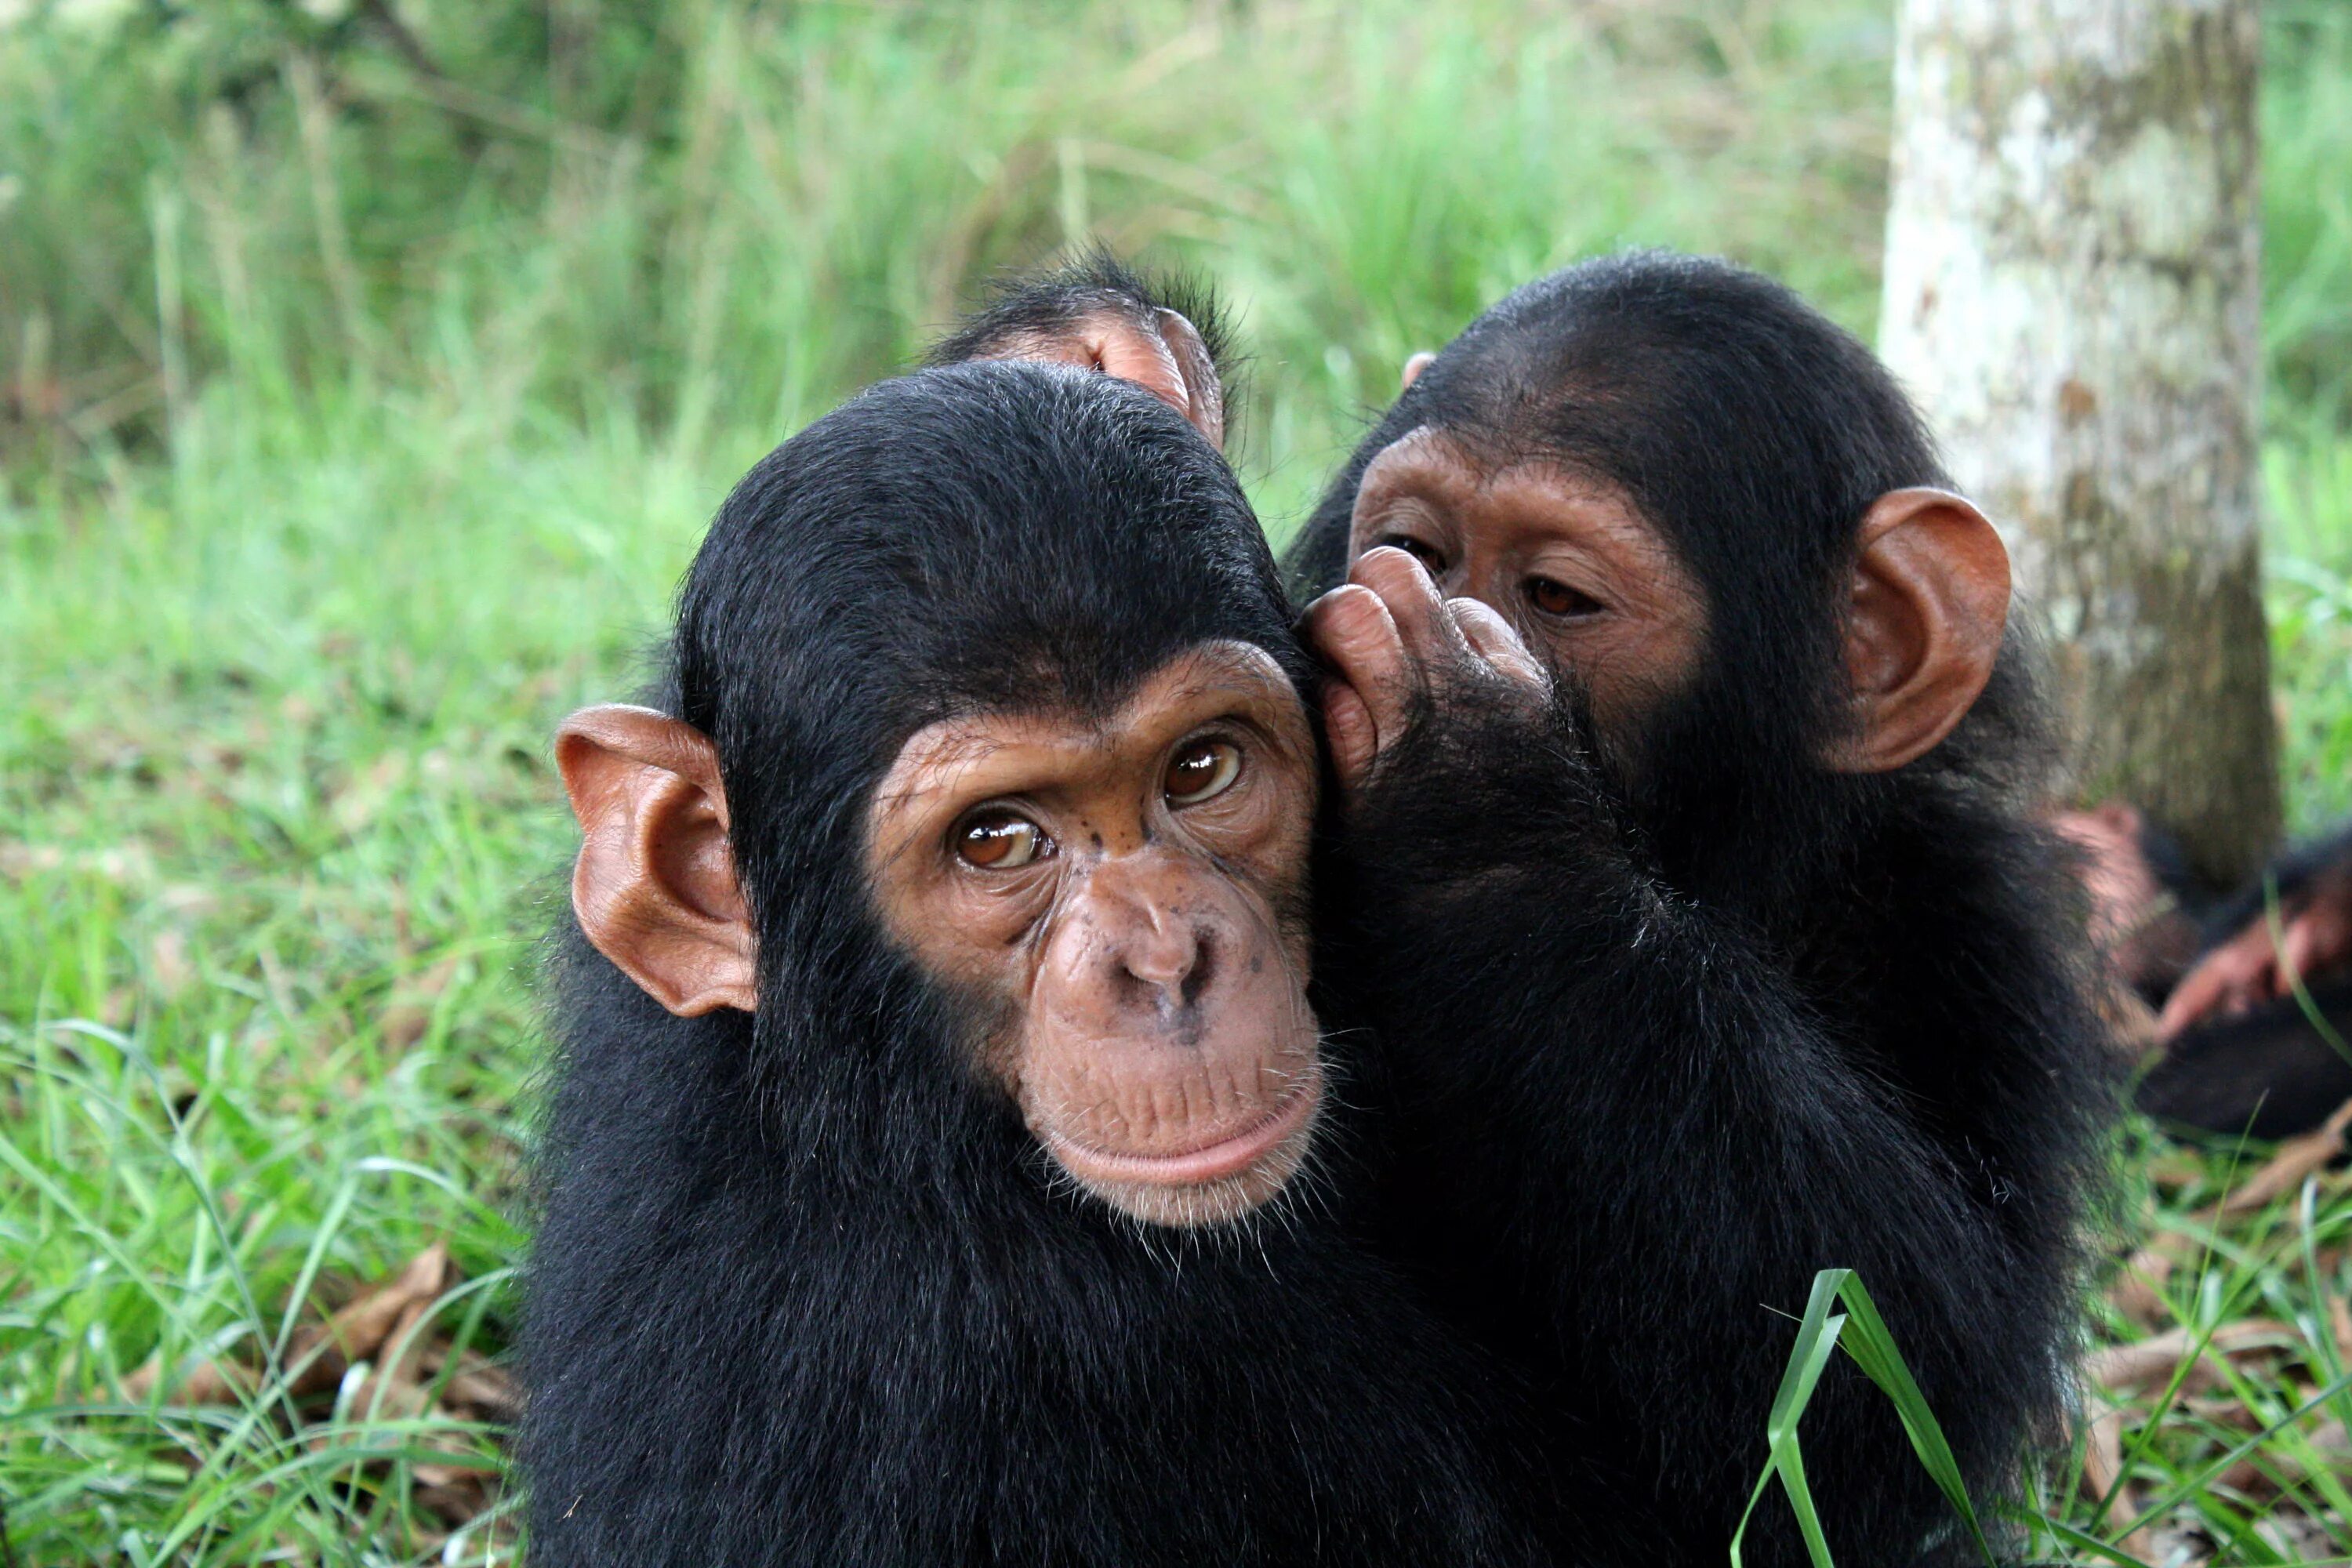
x=1204 y=961
x=1172 y=965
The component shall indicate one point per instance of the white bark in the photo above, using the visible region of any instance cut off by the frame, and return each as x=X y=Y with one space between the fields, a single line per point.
x=2072 y=291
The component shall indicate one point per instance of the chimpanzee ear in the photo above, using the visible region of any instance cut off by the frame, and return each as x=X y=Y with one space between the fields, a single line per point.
x=1167 y=359
x=655 y=888
x=1164 y=355
x=1930 y=603
x=1203 y=394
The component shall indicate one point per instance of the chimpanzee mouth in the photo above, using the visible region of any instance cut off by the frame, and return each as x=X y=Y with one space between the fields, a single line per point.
x=1215 y=1162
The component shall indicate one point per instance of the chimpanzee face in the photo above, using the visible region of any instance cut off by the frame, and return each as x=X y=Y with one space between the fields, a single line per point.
x=1123 y=896
x=1568 y=562
x=1116 y=901
x=1584 y=578
x=1000 y=653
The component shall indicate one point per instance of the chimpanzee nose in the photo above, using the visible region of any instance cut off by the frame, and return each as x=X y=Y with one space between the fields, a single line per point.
x=1155 y=951
x=1167 y=952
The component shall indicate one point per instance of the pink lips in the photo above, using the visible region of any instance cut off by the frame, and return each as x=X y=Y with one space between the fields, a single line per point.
x=1211 y=1163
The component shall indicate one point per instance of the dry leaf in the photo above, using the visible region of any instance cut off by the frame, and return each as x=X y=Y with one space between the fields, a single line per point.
x=2138 y=1290
x=2103 y=1468
x=2155 y=1360
x=481 y=1391
x=365 y=794
x=2297 y=1159
x=410 y=1011
x=167 y=961
x=411 y=1375
x=2279 y=1466
x=317 y=1355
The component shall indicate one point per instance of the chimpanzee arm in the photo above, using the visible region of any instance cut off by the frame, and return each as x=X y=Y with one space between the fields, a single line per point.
x=1634 y=1140
x=1633 y=1107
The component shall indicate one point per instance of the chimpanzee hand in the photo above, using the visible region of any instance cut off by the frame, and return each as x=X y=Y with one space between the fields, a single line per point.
x=1458 y=759
x=1401 y=656
x=2253 y=969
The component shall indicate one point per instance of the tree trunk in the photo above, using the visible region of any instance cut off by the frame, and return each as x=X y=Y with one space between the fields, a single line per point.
x=2073 y=294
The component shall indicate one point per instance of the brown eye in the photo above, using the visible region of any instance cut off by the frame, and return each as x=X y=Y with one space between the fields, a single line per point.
x=1201 y=770
x=1431 y=561
x=999 y=840
x=1559 y=599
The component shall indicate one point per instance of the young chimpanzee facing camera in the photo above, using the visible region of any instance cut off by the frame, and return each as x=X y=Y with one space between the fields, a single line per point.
x=945 y=1159
x=1689 y=880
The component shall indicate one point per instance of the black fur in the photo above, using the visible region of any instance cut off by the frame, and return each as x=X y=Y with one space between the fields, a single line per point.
x=1668 y=1039
x=2267 y=1072
x=804 y=1291
x=2286 y=879
x=2262 y=1073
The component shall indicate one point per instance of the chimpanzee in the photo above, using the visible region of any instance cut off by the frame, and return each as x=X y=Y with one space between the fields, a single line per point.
x=2235 y=1050
x=1688 y=880
x=944 y=1164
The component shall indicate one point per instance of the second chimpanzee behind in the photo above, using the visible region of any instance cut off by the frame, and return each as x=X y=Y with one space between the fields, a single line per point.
x=1714 y=944
x=943 y=1151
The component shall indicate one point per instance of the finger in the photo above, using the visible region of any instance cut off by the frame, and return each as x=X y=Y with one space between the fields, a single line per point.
x=1413 y=603
x=2202 y=991
x=2251 y=992
x=1492 y=638
x=1351 y=628
x=2304 y=953
x=2191 y=1001
x=1349 y=728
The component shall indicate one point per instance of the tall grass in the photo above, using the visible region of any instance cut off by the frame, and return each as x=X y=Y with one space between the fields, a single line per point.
x=363 y=390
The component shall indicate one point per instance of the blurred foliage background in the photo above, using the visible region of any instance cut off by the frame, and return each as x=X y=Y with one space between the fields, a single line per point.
x=368 y=369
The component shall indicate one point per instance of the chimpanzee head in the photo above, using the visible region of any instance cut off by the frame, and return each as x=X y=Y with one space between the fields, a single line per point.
x=1713 y=510
x=988 y=794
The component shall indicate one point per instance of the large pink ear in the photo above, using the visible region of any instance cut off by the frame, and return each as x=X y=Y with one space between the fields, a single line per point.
x=655 y=887
x=1167 y=358
x=1931 y=605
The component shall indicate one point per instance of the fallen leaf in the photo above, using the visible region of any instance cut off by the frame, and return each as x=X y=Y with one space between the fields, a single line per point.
x=409 y=1011
x=365 y=793
x=410 y=1373
x=2103 y=1470
x=167 y=961
x=2138 y=1290
x=2155 y=1360
x=2296 y=1160
x=317 y=1355
x=2280 y=1467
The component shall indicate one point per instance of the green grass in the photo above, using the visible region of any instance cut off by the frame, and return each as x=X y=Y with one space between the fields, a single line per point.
x=357 y=421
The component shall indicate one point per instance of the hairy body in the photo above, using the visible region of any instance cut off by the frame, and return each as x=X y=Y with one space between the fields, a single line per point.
x=1689 y=880
x=944 y=1164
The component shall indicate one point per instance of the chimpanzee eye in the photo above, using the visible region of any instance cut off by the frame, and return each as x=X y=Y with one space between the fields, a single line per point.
x=1420 y=550
x=999 y=840
x=1559 y=599
x=1200 y=770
